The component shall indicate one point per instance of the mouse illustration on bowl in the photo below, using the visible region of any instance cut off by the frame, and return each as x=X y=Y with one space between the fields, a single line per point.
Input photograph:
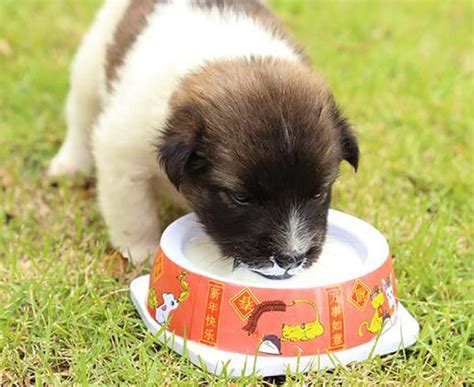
x=289 y=332
x=170 y=302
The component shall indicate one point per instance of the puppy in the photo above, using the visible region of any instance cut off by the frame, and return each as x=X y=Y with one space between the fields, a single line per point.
x=215 y=98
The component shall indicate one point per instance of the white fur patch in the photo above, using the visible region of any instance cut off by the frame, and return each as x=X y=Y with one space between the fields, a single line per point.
x=295 y=236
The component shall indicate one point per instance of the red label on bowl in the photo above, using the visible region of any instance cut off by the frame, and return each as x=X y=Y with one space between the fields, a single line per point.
x=273 y=322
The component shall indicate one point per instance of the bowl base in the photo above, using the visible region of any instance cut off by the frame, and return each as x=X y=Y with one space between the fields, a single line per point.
x=402 y=334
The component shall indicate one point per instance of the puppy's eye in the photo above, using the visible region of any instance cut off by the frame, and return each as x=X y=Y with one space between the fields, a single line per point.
x=240 y=198
x=319 y=196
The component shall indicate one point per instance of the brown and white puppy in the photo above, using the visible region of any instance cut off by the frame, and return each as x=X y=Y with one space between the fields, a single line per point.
x=242 y=126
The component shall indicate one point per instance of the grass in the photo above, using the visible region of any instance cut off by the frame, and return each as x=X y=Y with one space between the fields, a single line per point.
x=403 y=72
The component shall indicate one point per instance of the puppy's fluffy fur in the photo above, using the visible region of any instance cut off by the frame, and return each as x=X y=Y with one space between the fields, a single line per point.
x=218 y=92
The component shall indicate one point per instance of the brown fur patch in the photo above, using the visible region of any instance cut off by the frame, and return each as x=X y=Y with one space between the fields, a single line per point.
x=133 y=21
x=243 y=101
x=245 y=104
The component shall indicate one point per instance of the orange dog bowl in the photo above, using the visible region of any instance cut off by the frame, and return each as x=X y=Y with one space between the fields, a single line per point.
x=268 y=327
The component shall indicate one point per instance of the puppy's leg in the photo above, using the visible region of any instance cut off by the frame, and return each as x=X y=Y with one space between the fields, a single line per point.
x=75 y=153
x=125 y=187
x=129 y=208
x=82 y=108
x=84 y=101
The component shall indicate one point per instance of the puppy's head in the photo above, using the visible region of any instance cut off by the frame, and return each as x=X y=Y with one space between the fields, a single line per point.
x=255 y=146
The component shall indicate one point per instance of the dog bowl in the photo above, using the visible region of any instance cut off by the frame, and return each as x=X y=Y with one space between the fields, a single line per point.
x=226 y=324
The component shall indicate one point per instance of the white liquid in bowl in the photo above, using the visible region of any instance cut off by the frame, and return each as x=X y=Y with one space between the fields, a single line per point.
x=338 y=262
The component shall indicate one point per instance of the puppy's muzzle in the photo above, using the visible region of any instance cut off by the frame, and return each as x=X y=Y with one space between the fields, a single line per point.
x=289 y=262
x=283 y=267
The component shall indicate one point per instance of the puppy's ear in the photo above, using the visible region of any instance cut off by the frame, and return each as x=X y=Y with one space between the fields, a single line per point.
x=177 y=149
x=349 y=144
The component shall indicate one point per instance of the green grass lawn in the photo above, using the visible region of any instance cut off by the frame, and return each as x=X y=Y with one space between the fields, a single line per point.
x=402 y=71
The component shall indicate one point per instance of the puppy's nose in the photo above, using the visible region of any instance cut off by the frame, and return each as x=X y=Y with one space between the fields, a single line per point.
x=288 y=262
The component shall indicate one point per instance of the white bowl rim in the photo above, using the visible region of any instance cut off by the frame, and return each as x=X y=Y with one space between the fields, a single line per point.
x=367 y=238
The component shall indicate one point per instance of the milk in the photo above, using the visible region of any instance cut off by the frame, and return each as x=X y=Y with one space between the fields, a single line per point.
x=338 y=262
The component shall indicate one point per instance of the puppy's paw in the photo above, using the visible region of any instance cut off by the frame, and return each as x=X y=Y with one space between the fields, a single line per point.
x=66 y=164
x=139 y=253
